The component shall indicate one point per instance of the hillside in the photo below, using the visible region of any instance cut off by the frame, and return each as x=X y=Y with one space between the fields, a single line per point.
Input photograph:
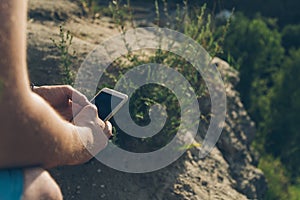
x=229 y=172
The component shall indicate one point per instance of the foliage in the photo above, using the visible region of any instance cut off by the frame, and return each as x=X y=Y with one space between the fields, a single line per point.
x=196 y=23
x=276 y=176
x=269 y=72
x=282 y=135
x=258 y=51
x=151 y=94
x=279 y=183
x=294 y=190
x=66 y=58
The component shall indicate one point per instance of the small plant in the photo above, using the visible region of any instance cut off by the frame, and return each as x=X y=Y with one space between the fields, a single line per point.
x=121 y=14
x=66 y=58
x=90 y=7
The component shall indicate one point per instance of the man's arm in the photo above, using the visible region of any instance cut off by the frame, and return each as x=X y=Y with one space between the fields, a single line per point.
x=31 y=132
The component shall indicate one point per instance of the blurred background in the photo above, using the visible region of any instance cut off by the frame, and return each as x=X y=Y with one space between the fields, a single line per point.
x=262 y=43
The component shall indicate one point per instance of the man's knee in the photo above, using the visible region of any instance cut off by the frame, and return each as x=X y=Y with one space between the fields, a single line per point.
x=38 y=184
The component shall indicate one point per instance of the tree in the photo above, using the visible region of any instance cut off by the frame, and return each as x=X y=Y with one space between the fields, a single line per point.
x=258 y=52
x=282 y=138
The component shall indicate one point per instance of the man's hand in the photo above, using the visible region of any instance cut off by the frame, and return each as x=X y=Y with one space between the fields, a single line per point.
x=33 y=133
x=63 y=99
x=92 y=132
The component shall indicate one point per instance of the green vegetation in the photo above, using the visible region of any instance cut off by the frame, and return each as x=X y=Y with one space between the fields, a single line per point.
x=66 y=57
x=268 y=59
x=277 y=178
x=283 y=139
x=258 y=51
x=196 y=23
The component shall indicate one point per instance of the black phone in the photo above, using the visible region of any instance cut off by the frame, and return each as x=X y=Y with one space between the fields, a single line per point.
x=108 y=102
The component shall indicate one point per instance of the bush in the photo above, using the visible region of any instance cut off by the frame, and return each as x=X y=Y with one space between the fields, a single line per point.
x=294 y=190
x=283 y=129
x=269 y=88
x=257 y=52
x=277 y=178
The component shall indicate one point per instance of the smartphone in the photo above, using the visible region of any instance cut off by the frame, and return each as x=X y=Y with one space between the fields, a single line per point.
x=108 y=102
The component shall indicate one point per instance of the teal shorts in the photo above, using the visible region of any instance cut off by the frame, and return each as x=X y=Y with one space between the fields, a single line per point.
x=11 y=184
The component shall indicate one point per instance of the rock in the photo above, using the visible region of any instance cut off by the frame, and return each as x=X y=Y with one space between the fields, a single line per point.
x=237 y=135
x=228 y=172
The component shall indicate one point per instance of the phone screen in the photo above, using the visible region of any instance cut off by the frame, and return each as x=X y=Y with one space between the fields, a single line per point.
x=106 y=103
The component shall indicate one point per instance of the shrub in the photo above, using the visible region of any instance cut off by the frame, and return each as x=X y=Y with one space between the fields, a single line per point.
x=277 y=178
x=282 y=134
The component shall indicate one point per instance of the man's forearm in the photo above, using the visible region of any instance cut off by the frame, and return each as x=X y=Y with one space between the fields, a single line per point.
x=34 y=134
x=31 y=132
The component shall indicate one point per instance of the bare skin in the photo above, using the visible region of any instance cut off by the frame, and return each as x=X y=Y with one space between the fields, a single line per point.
x=40 y=185
x=34 y=127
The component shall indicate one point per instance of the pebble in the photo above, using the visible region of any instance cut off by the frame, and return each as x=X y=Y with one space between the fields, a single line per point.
x=98 y=170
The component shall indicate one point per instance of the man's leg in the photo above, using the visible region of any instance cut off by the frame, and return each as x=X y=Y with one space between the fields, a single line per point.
x=39 y=185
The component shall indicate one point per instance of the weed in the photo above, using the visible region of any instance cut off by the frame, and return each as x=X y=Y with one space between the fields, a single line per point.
x=66 y=58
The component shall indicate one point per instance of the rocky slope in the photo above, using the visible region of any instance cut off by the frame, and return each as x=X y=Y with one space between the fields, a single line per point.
x=229 y=172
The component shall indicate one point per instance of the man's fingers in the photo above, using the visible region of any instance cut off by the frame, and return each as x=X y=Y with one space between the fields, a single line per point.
x=89 y=112
x=76 y=108
x=101 y=132
x=108 y=129
x=79 y=98
x=76 y=96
